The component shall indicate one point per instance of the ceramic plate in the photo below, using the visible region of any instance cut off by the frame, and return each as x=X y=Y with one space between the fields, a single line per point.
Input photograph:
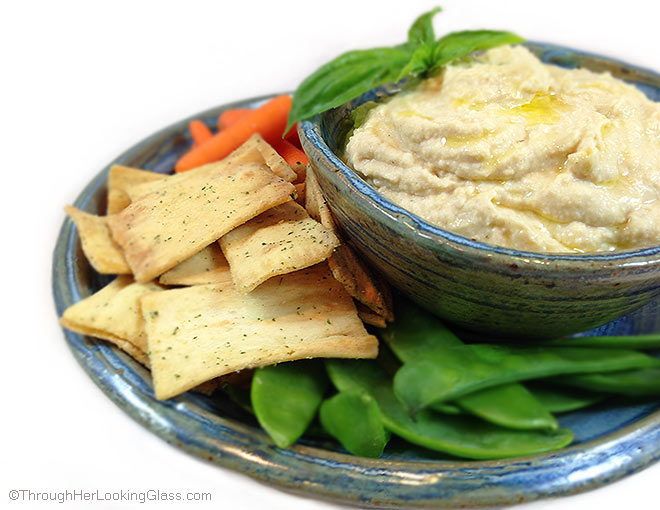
x=612 y=439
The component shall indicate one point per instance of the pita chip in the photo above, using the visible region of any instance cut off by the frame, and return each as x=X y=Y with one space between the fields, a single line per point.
x=207 y=266
x=113 y=314
x=199 y=333
x=102 y=252
x=121 y=179
x=279 y=241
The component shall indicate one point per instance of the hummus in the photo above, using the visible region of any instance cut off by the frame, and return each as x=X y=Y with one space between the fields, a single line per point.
x=512 y=152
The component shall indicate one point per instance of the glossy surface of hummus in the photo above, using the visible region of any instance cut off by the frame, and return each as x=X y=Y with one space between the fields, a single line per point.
x=512 y=152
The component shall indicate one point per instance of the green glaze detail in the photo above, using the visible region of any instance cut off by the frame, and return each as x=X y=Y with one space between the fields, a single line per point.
x=285 y=398
x=634 y=383
x=563 y=400
x=353 y=418
x=461 y=370
x=417 y=334
x=461 y=436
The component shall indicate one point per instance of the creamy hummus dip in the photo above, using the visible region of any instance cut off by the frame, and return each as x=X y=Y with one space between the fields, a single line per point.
x=510 y=151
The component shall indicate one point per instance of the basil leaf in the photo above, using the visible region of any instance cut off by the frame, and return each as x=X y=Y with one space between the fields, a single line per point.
x=420 y=61
x=346 y=77
x=356 y=72
x=458 y=44
x=421 y=32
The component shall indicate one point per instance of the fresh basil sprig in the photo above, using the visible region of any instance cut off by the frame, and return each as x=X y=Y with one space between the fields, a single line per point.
x=355 y=72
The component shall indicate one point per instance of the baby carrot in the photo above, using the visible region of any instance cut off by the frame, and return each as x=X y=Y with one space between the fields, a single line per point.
x=230 y=117
x=289 y=152
x=292 y=136
x=269 y=120
x=199 y=132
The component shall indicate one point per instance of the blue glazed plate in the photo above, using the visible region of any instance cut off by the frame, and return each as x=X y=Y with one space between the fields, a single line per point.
x=612 y=440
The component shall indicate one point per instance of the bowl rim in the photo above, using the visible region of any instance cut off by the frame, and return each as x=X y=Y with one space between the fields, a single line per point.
x=310 y=131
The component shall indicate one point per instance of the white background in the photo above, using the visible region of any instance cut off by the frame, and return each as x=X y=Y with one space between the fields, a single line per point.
x=81 y=82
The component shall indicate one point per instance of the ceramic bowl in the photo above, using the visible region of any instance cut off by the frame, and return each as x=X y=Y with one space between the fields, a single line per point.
x=480 y=287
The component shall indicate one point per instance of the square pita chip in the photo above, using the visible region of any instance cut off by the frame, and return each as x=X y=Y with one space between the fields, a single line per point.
x=192 y=210
x=255 y=150
x=207 y=266
x=102 y=252
x=113 y=314
x=121 y=179
x=279 y=241
x=199 y=333
x=354 y=275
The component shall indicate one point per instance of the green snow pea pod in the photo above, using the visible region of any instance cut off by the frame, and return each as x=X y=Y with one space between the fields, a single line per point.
x=461 y=436
x=638 y=342
x=634 y=383
x=417 y=334
x=563 y=400
x=353 y=418
x=446 y=408
x=509 y=405
x=461 y=370
x=285 y=398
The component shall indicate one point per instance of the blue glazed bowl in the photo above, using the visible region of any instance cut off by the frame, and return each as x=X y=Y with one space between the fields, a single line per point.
x=481 y=287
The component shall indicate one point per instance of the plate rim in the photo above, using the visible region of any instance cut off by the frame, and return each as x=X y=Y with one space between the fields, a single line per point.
x=338 y=477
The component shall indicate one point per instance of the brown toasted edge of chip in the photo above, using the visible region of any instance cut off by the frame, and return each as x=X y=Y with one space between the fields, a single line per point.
x=359 y=280
x=368 y=316
x=301 y=172
x=242 y=378
x=300 y=193
x=133 y=351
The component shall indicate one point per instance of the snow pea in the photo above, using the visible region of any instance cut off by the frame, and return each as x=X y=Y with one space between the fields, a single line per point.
x=461 y=370
x=563 y=400
x=417 y=334
x=461 y=436
x=634 y=383
x=285 y=398
x=640 y=342
x=509 y=405
x=446 y=408
x=353 y=418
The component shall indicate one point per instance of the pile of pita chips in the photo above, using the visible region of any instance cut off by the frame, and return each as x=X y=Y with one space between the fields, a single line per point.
x=257 y=288
x=192 y=210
